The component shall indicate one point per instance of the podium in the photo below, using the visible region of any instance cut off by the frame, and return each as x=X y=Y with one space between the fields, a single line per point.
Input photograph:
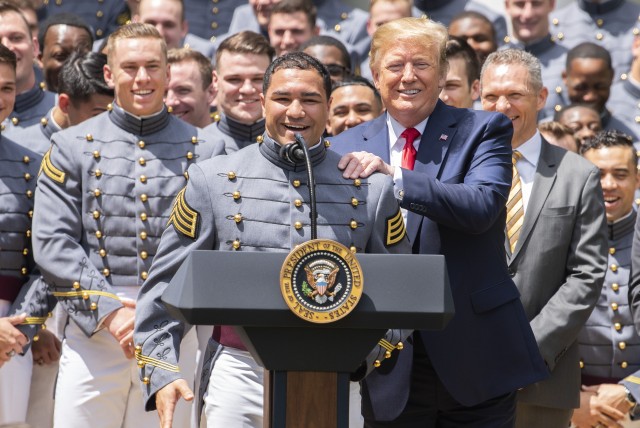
x=309 y=364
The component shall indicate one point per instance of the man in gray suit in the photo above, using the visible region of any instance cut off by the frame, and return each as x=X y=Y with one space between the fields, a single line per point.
x=556 y=241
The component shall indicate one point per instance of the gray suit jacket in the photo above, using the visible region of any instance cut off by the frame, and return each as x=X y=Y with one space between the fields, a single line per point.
x=558 y=265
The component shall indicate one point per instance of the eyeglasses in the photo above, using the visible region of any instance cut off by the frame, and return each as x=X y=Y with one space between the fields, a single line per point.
x=337 y=70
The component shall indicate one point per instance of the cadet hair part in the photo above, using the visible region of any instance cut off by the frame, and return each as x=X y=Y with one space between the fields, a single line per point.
x=7 y=57
x=425 y=32
x=290 y=7
x=588 y=50
x=610 y=138
x=516 y=57
x=246 y=42
x=457 y=47
x=205 y=68
x=82 y=76
x=329 y=41
x=135 y=30
x=297 y=61
x=70 y=19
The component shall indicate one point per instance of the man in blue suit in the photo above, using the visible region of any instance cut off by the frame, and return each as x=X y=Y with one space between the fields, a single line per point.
x=452 y=173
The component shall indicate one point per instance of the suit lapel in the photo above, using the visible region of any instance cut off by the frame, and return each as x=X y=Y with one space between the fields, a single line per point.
x=434 y=144
x=543 y=182
x=376 y=138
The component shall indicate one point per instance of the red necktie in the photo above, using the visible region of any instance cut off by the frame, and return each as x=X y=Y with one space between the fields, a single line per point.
x=409 y=152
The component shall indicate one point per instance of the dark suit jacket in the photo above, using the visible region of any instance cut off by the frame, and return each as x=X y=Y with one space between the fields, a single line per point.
x=558 y=266
x=456 y=198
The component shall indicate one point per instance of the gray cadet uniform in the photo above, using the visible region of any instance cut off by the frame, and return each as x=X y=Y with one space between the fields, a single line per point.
x=624 y=103
x=204 y=46
x=609 y=344
x=18 y=172
x=552 y=58
x=253 y=200
x=210 y=19
x=36 y=137
x=104 y=16
x=612 y=25
x=104 y=197
x=236 y=135
x=30 y=107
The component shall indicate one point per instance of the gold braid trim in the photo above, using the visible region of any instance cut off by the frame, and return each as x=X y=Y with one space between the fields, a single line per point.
x=183 y=217
x=157 y=363
x=50 y=170
x=84 y=293
x=34 y=320
x=395 y=229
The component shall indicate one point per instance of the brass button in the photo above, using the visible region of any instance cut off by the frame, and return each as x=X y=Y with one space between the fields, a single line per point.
x=194 y=140
x=353 y=249
x=387 y=354
x=144 y=197
x=622 y=345
x=96 y=154
x=214 y=10
x=186 y=175
x=97 y=193
x=614 y=267
x=612 y=251
x=231 y=175
x=189 y=155
x=615 y=286
x=144 y=275
x=297 y=203
x=89 y=137
x=624 y=364
x=36 y=337
x=143 y=235
x=141 y=144
x=98 y=234
x=106 y=272
x=99 y=14
x=599 y=22
x=237 y=218
x=344 y=15
x=27 y=176
x=560 y=36
x=29 y=194
x=144 y=255
x=109 y=107
x=555 y=21
x=103 y=252
x=143 y=216
x=93 y=306
x=85 y=295
x=558 y=90
x=145 y=380
x=99 y=32
x=357 y=182
x=354 y=202
x=636 y=31
x=25 y=251
x=143 y=178
x=581 y=364
x=353 y=224
x=96 y=214
x=236 y=244
x=214 y=25
x=236 y=195
x=141 y=161
x=30 y=213
x=76 y=285
x=296 y=183
x=26 y=159
x=140 y=364
x=376 y=363
x=617 y=326
x=44 y=121
x=599 y=36
x=24 y=271
x=337 y=28
x=28 y=233
x=297 y=225
x=98 y=173
x=15 y=120
x=327 y=143
x=614 y=306
x=259 y=139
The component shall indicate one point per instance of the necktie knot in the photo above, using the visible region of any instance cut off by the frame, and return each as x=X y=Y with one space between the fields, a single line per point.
x=516 y=156
x=409 y=152
x=410 y=134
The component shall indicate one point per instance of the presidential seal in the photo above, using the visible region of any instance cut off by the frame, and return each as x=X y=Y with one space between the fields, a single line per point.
x=321 y=281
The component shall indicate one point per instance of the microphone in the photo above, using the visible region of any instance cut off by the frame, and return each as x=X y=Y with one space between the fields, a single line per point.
x=292 y=152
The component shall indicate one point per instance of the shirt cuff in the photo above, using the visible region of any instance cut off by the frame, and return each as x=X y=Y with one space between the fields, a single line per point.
x=398 y=184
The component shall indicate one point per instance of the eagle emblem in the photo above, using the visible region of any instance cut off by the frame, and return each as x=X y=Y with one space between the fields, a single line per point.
x=321 y=276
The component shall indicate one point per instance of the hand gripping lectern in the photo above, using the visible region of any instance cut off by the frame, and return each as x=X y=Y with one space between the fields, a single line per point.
x=309 y=363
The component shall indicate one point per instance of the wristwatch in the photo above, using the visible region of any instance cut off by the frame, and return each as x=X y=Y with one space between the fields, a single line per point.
x=634 y=408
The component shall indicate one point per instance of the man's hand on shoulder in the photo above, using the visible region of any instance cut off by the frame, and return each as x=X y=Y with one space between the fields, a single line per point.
x=362 y=165
x=167 y=397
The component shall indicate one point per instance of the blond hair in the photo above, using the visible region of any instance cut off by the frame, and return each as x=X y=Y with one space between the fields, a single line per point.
x=135 y=30
x=422 y=31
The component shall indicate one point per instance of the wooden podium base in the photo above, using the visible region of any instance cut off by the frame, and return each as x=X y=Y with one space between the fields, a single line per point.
x=306 y=399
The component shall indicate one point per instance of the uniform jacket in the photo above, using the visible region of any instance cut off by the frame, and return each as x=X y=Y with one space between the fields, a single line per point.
x=103 y=16
x=456 y=197
x=558 y=266
x=271 y=198
x=236 y=135
x=30 y=107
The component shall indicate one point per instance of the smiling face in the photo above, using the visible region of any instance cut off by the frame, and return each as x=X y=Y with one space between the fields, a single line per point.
x=457 y=92
x=588 y=81
x=506 y=88
x=350 y=106
x=530 y=18
x=166 y=16
x=15 y=34
x=287 y=31
x=618 y=177
x=59 y=42
x=584 y=121
x=295 y=102
x=138 y=73
x=186 y=95
x=238 y=79
x=478 y=33
x=409 y=78
x=7 y=90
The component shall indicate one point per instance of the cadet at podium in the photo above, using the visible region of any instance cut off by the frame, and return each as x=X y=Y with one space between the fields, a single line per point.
x=256 y=200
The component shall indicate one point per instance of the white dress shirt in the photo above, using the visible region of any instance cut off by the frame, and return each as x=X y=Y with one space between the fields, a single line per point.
x=530 y=151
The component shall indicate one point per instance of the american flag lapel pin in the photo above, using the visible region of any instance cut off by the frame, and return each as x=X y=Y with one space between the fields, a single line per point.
x=443 y=137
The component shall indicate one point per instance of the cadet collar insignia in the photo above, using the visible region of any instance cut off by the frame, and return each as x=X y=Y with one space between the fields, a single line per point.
x=50 y=170
x=321 y=281
x=394 y=229
x=183 y=217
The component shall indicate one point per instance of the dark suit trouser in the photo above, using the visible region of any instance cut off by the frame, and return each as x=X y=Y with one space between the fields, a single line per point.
x=431 y=405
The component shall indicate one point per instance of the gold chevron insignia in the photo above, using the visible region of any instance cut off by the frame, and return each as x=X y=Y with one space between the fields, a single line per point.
x=50 y=170
x=395 y=230
x=35 y=320
x=183 y=217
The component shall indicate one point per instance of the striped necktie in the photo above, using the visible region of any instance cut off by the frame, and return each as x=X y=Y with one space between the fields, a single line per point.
x=515 y=209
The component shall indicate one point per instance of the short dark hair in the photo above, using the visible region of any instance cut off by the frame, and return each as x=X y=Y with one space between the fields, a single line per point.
x=186 y=54
x=610 y=138
x=330 y=41
x=82 y=75
x=457 y=47
x=246 y=42
x=588 y=50
x=70 y=19
x=292 y=6
x=298 y=61
x=7 y=57
x=357 y=81
x=475 y=15
x=559 y=114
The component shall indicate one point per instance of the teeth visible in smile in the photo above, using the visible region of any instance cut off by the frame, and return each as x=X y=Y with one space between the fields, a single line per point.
x=410 y=91
x=147 y=92
x=295 y=126
x=610 y=199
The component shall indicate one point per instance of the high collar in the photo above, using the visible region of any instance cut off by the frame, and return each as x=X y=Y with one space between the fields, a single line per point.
x=48 y=125
x=139 y=125
x=599 y=8
x=28 y=99
x=271 y=150
x=240 y=131
x=535 y=48
x=622 y=227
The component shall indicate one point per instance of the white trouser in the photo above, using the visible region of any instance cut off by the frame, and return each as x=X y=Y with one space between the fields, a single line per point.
x=99 y=388
x=235 y=394
x=203 y=332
